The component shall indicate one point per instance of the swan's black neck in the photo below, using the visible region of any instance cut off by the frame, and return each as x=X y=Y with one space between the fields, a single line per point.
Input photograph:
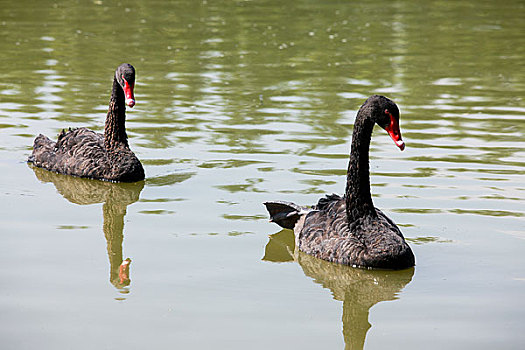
x=115 y=130
x=358 y=197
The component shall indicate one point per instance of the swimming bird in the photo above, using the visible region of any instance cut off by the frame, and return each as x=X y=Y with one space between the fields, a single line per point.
x=348 y=229
x=85 y=153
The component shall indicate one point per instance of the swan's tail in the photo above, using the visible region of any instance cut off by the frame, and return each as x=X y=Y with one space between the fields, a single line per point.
x=41 y=146
x=285 y=214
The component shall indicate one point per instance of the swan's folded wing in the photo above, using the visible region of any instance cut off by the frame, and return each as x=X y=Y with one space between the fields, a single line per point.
x=390 y=222
x=325 y=201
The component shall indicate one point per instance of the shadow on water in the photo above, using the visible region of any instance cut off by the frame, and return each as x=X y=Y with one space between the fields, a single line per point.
x=115 y=198
x=358 y=289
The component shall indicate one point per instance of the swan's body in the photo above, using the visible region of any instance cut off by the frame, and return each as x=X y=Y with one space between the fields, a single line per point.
x=349 y=229
x=85 y=153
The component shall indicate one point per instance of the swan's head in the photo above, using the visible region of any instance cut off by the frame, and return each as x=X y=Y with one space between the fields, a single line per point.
x=386 y=115
x=125 y=75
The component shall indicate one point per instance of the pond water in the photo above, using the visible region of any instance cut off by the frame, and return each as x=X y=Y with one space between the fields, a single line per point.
x=239 y=102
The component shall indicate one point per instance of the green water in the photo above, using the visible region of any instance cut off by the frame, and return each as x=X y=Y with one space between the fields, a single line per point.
x=239 y=102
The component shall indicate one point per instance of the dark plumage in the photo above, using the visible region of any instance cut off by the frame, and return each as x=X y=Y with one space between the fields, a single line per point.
x=350 y=230
x=85 y=153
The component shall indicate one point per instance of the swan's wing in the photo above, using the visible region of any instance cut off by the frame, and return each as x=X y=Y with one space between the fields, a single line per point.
x=389 y=222
x=80 y=142
x=326 y=235
x=326 y=201
x=77 y=152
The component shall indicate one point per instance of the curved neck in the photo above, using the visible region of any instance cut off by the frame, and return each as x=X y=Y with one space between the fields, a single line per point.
x=358 y=198
x=115 y=129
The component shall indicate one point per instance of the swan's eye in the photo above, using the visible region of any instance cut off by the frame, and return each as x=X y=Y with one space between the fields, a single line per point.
x=389 y=116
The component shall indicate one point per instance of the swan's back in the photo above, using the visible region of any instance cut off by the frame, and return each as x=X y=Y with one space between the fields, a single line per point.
x=78 y=152
x=81 y=152
x=324 y=233
x=371 y=241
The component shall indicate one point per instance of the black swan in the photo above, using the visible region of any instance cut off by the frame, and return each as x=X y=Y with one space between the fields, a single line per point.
x=349 y=230
x=85 y=153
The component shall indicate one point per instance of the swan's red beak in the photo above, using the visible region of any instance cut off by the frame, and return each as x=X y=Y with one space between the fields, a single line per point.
x=128 y=92
x=395 y=133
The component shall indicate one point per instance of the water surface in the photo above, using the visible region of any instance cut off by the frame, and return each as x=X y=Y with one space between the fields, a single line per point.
x=239 y=102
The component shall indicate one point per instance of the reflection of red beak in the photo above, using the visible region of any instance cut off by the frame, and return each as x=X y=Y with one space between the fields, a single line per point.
x=395 y=133
x=128 y=92
x=123 y=271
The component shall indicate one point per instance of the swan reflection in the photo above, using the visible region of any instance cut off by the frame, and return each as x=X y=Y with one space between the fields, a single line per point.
x=115 y=198
x=358 y=289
